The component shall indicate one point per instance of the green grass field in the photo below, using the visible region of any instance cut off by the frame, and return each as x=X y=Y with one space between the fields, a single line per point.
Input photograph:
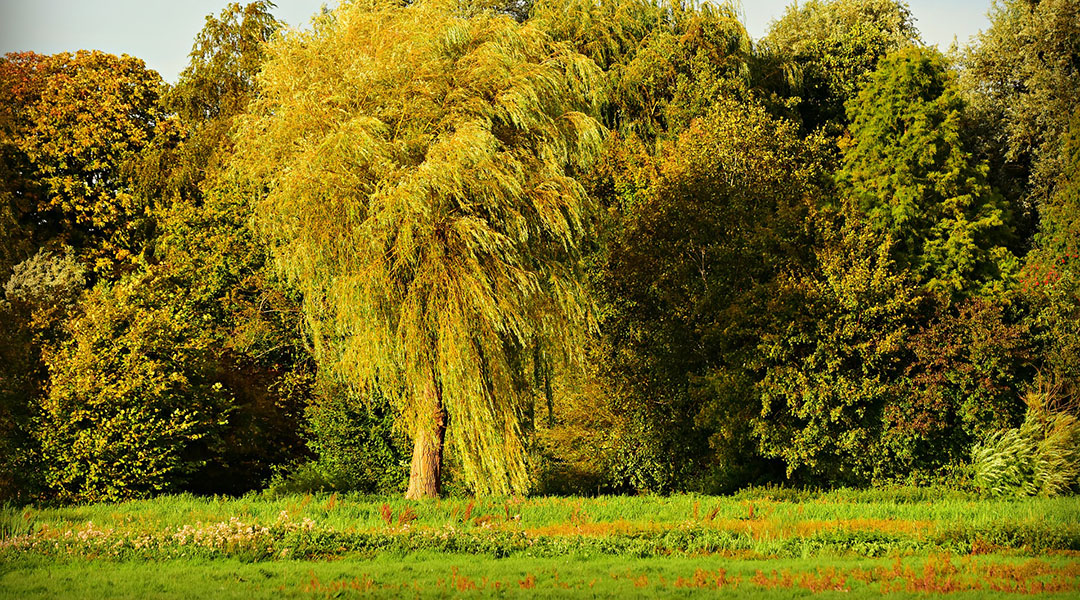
x=765 y=543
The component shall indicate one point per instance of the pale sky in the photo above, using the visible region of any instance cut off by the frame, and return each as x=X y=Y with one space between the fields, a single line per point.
x=938 y=20
x=161 y=32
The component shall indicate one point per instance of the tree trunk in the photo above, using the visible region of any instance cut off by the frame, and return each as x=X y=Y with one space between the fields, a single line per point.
x=425 y=475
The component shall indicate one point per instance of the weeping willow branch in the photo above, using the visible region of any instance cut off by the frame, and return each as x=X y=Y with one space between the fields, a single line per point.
x=419 y=165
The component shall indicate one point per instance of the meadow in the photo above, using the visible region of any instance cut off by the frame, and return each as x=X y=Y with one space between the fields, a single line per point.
x=768 y=543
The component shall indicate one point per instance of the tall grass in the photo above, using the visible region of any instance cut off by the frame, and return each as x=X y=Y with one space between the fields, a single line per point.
x=326 y=526
x=1040 y=458
x=351 y=512
x=15 y=522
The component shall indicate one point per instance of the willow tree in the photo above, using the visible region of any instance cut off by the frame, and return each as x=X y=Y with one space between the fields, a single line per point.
x=418 y=164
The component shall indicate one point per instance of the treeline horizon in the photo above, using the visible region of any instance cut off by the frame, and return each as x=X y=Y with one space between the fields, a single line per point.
x=550 y=247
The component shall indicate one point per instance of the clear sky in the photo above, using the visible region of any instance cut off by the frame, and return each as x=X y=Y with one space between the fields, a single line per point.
x=161 y=31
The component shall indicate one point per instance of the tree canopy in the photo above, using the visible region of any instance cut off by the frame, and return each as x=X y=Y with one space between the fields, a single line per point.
x=421 y=194
x=908 y=169
x=562 y=246
x=94 y=113
x=835 y=45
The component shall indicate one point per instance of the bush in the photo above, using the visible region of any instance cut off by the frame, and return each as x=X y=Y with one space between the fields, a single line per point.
x=357 y=446
x=1041 y=457
x=131 y=406
x=963 y=382
x=829 y=372
x=34 y=303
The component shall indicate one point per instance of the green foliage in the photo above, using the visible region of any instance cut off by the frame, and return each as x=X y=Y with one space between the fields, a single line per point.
x=829 y=370
x=835 y=45
x=665 y=62
x=1060 y=225
x=204 y=330
x=21 y=77
x=36 y=301
x=320 y=242
x=1052 y=273
x=252 y=321
x=131 y=408
x=223 y=266
x=698 y=240
x=218 y=266
x=883 y=25
x=575 y=433
x=424 y=206
x=701 y=55
x=215 y=87
x=45 y=286
x=1041 y=457
x=356 y=442
x=227 y=54
x=963 y=379
x=1023 y=72
x=908 y=170
x=607 y=31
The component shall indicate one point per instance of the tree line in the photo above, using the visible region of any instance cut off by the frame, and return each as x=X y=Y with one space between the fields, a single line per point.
x=567 y=246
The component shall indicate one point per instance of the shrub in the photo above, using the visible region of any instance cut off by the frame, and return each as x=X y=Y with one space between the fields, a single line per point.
x=357 y=446
x=829 y=372
x=131 y=405
x=34 y=302
x=963 y=381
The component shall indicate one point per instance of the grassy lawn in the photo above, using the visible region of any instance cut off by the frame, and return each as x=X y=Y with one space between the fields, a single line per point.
x=427 y=574
x=770 y=544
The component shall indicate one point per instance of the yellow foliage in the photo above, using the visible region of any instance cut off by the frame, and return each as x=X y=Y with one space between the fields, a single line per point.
x=419 y=163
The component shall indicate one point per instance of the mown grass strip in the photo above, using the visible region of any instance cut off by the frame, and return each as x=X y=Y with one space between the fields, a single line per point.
x=428 y=574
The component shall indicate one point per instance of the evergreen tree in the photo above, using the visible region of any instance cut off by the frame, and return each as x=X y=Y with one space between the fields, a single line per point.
x=907 y=169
